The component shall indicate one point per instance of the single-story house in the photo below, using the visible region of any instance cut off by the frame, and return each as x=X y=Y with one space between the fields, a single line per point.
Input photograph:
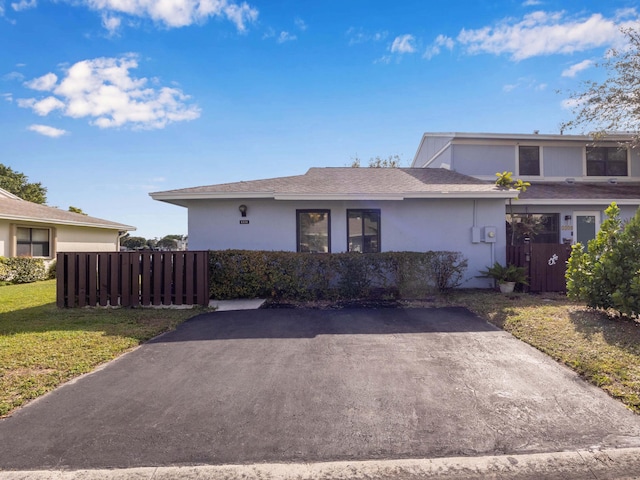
x=34 y=230
x=352 y=209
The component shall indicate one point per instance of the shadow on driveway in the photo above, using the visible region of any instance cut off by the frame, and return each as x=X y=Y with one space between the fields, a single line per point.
x=299 y=323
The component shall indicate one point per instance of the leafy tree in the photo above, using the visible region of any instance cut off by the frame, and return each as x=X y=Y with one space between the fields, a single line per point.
x=18 y=184
x=133 y=243
x=505 y=180
x=614 y=104
x=606 y=275
x=76 y=210
x=392 y=161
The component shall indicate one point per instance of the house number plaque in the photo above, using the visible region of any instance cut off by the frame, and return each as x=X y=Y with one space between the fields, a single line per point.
x=244 y=222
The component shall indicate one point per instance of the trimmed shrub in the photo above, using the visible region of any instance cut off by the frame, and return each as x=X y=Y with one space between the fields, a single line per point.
x=22 y=269
x=606 y=275
x=266 y=274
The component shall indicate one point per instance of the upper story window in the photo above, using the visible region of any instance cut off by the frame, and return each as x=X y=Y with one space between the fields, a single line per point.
x=313 y=231
x=607 y=161
x=363 y=231
x=529 y=160
x=32 y=242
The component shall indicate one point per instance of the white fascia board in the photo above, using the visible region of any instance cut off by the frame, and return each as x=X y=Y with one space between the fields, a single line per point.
x=339 y=196
x=448 y=194
x=21 y=218
x=614 y=137
x=579 y=201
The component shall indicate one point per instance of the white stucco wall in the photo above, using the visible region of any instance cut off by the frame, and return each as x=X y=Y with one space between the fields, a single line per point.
x=409 y=225
x=85 y=239
x=4 y=238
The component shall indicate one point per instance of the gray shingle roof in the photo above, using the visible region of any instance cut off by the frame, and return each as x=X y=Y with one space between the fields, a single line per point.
x=347 y=182
x=21 y=210
x=582 y=191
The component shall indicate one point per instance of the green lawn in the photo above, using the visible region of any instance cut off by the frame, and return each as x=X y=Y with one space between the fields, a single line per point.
x=42 y=346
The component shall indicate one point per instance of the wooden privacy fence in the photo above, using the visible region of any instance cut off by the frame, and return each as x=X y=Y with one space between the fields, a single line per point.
x=130 y=279
x=546 y=264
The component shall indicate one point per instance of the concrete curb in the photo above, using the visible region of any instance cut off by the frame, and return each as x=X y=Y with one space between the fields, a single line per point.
x=607 y=464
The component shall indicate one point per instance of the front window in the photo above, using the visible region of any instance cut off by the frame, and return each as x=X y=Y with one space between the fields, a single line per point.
x=537 y=227
x=606 y=161
x=529 y=160
x=313 y=231
x=363 y=231
x=32 y=242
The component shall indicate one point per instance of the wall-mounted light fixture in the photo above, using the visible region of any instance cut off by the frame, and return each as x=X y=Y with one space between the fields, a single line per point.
x=243 y=210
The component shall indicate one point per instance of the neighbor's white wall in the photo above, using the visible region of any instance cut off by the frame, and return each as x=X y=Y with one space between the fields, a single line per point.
x=4 y=238
x=86 y=239
x=409 y=225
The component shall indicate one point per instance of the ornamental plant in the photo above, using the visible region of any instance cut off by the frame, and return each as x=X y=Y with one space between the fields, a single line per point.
x=605 y=275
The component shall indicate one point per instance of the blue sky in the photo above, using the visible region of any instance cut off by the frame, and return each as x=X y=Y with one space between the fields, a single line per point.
x=104 y=101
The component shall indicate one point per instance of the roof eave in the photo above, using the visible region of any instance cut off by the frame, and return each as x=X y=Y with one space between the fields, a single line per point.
x=578 y=201
x=50 y=221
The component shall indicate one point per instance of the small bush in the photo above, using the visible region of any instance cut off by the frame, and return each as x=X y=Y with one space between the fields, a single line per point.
x=22 y=269
x=606 y=275
x=250 y=274
x=51 y=270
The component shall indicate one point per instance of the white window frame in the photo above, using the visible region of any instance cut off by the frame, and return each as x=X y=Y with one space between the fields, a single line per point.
x=585 y=213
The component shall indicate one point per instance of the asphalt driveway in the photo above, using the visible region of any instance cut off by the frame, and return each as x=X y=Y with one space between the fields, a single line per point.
x=317 y=385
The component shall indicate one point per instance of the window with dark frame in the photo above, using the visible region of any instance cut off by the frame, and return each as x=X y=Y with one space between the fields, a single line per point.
x=528 y=160
x=606 y=162
x=32 y=242
x=537 y=227
x=313 y=231
x=363 y=231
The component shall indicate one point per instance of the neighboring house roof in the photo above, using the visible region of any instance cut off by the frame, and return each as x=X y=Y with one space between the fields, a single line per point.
x=581 y=193
x=16 y=209
x=346 y=183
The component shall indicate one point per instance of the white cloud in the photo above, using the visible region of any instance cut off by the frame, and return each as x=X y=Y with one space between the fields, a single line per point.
x=24 y=5
x=403 y=44
x=111 y=23
x=357 y=36
x=47 y=130
x=300 y=24
x=178 y=13
x=573 y=70
x=526 y=84
x=13 y=76
x=531 y=3
x=8 y=97
x=103 y=90
x=509 y=87
x=547 y=33
x=286 y=37
x=44 y=83
x=436 y=47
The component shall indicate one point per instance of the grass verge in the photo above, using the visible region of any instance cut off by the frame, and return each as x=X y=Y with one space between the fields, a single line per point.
x=42 y=346
x=603 y=348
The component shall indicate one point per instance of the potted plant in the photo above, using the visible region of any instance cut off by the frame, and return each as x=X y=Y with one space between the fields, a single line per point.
x=506 y=276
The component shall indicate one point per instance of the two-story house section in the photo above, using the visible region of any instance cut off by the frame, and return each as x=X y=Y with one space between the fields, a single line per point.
x=573 y=179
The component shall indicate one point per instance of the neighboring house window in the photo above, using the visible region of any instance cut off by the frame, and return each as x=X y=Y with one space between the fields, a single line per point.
x=606 y=161
x=313 y=231
x=32 y=242
x=537 y=227
x=529 y=160
x=363 y=231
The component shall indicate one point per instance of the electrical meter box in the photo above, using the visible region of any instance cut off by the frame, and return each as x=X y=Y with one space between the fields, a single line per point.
x=489 y=234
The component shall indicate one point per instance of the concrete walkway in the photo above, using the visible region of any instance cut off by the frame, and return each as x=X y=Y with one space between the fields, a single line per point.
x=578 y=465
x=239 y=304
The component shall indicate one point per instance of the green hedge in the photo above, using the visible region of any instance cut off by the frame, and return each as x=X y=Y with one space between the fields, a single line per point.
x=304 y=276
x=22 y=269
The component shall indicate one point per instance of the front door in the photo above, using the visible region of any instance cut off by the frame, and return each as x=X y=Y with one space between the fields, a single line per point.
x=585 y=226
